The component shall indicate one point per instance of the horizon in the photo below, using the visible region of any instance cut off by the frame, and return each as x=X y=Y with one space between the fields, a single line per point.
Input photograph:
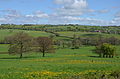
x=54 y=12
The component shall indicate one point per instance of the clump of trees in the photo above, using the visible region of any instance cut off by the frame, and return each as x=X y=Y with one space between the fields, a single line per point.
x=23 y=43
x=105 y=50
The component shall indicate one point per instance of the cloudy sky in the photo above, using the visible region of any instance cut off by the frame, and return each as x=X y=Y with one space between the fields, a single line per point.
x=84 y=12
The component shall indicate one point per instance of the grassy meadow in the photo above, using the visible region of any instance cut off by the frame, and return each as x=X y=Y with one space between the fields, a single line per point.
x=4 y=33
x=63 y=62
x=87 y=34
x=59 y=65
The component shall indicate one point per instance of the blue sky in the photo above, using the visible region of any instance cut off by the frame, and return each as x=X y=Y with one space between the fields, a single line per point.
x=88 y=12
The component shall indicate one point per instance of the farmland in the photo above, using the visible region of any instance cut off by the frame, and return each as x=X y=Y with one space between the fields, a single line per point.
x=65 y=63
x=64 y=60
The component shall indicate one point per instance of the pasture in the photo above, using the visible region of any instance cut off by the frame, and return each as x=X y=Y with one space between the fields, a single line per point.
x=62 y=63
x=7 y=32
x=87 y=34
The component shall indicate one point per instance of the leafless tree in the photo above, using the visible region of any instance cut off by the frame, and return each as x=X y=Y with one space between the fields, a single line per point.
x=19 y=43
x=45 y=45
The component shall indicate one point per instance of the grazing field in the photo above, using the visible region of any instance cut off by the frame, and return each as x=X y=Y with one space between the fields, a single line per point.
x=59 y=39
x=61 y=64
x=7 y=32
x=87 y=34
x=73 y=57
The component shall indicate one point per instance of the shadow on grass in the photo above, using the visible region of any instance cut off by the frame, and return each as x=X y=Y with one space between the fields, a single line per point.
x=90 y=34
x=27 y=57
x=95 y=56
x=11 y=58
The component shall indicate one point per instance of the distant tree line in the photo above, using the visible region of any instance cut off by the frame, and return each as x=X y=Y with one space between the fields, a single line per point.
x=76 y=42
x=60 y=28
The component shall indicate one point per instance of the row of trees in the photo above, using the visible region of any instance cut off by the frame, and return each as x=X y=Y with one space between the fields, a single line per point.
x=60 y=28
x=76 y=42
x=23 y=43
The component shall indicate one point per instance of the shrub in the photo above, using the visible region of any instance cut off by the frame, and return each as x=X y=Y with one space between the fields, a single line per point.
x=105 y=50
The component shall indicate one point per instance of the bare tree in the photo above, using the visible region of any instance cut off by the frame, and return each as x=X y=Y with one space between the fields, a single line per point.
x=19 y=43
x=45 y=45
x=75 y=42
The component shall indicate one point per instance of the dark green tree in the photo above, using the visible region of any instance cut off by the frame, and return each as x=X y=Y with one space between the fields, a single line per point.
x=105 y=50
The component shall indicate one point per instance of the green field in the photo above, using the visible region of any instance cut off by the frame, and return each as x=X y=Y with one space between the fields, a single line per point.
x=86 y=34
x=4 y=33
x=63 y=62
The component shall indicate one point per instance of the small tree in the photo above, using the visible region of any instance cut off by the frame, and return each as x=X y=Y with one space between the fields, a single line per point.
x=113 y=40
x=45 y=45
x=19 y=43
x=105 y=50
x=75 y=42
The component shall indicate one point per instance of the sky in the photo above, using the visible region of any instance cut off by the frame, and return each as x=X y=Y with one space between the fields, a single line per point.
x=83 y=12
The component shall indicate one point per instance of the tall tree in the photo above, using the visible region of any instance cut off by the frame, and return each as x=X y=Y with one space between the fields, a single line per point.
x=45 y=45
x=19 y=43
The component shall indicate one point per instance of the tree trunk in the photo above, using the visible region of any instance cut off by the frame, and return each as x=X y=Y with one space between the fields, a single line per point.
x=106 y=56
x=112 y=56
x=109 y=56
x=100 y=55
x=43 y=54
x=20 y=55
x=21 y=50
x=103 y=56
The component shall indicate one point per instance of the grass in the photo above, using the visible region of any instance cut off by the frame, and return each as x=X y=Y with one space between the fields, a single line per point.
x=7 y=32
x=85 y=34
x=64 y=61
x=3 y=47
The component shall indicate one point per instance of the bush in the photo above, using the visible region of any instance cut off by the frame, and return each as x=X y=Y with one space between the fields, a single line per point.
x=105 y=50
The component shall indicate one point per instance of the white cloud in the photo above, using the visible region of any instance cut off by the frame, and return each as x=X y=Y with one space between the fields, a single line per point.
x=103 y=11
x=72 y=7
x=116 y=19
x=41 y=14
x=68 y=11
x=71 y=10
x=56 y=19
x=75 y=4
x=3 y=20
x=31 y=16
x=14 y=16
x=117 y=14
x=10 y=16
x=38 y=14
x=63 y=1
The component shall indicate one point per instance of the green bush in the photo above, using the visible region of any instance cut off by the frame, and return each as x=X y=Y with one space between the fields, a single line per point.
x=105 y=50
